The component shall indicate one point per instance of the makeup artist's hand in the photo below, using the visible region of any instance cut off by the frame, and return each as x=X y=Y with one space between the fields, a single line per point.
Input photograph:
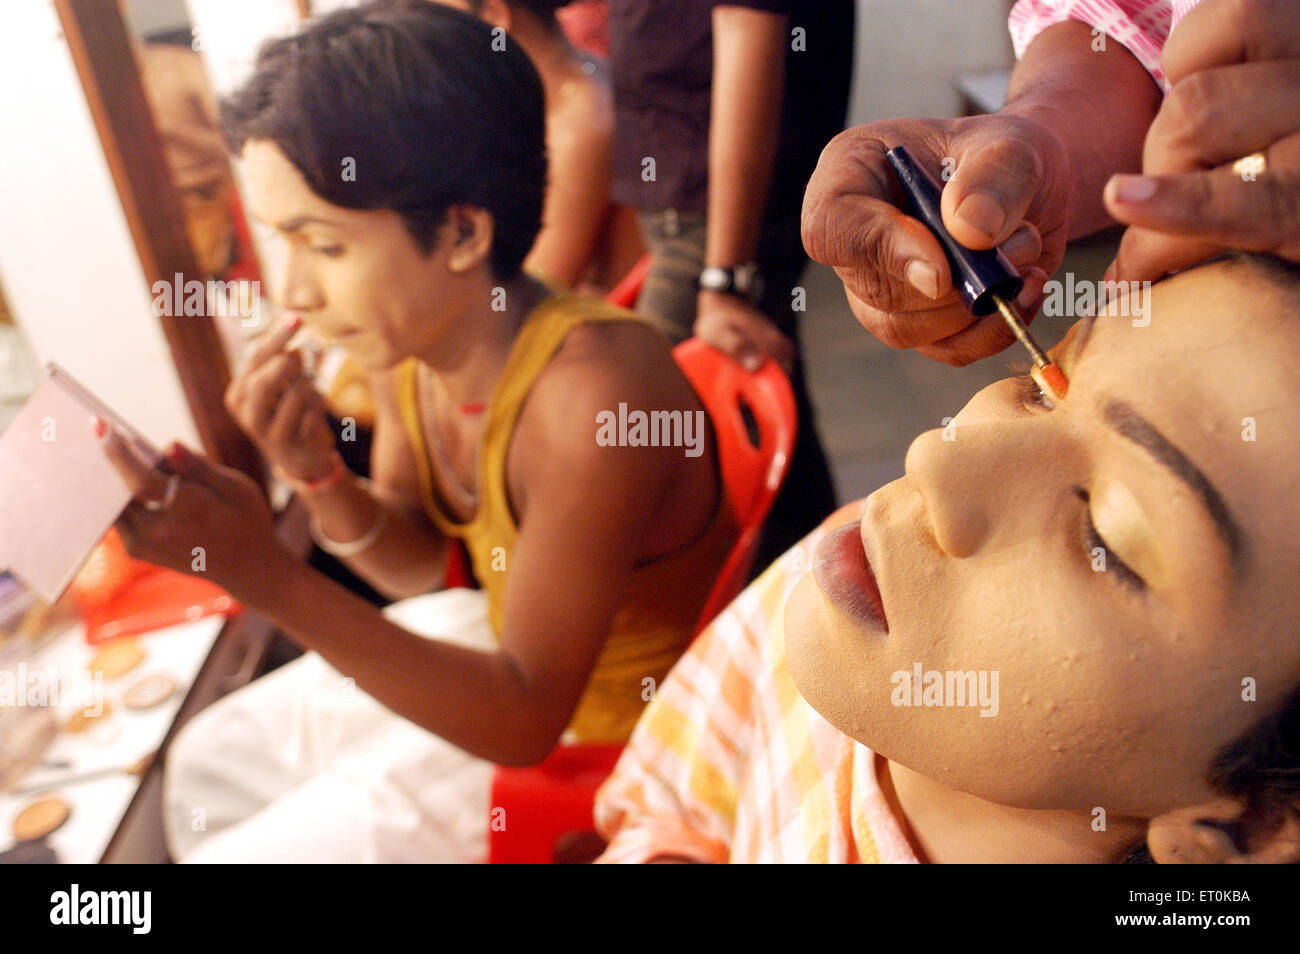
x=279 y=407
x=215 y=523
x=1234 y=67
x=737 y=328
x=1008 y=185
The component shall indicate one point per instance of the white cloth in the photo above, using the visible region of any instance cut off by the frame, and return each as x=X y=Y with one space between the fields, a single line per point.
x=301 y=766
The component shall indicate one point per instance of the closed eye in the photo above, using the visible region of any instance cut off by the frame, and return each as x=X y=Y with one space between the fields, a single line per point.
x=1031 y=395
x=1094 y=547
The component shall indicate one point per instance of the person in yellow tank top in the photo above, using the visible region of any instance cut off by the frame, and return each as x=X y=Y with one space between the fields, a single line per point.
x=595 y=547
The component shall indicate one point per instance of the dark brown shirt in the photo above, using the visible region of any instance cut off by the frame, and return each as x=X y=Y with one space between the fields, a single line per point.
x=661 y=63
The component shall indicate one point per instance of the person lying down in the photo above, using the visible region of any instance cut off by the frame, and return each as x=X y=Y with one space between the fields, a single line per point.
x=1067 y=634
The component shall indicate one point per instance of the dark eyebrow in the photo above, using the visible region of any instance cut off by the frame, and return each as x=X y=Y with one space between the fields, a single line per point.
x=1136 y=428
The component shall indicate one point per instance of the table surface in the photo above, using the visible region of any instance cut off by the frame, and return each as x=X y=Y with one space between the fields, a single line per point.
x=120 y=739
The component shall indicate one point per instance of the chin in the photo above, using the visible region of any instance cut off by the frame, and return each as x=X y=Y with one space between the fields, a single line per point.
x=372 y=358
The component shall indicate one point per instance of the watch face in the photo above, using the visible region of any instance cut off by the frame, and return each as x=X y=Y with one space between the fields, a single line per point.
x=714 y=278
x=744 y=281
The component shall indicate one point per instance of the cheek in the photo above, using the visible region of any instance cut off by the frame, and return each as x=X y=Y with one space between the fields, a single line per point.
x=807 y=653
x=363 y=291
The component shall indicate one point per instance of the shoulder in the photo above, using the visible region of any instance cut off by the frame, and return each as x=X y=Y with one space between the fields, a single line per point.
x=600 y=365
x=584 y=110
x=627 y=357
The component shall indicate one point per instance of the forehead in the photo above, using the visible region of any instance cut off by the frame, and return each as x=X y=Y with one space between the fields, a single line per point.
x=276 y=189
x=1220 y=338
x=1212 y=371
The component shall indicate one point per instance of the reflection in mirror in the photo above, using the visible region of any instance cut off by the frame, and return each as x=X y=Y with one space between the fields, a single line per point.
x=184 y=108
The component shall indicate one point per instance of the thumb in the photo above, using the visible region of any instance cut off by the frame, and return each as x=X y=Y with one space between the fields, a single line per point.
x=992 y=186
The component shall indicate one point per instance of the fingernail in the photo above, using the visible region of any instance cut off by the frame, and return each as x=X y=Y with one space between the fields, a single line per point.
x=751 y=362
x=97 y=427
x=924 y=277
x=1023 y=243
x=983 y=213
x=1133 y=189
x=294 y=322
x=178 y=455
x=1035 y=278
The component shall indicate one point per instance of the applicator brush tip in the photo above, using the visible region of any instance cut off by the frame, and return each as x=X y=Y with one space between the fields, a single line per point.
x=1051 y=379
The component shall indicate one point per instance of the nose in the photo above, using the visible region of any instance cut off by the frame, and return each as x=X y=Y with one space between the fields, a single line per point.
x=298 y=288
x=982 y=478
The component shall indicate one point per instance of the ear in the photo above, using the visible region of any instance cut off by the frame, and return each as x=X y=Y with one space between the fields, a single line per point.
x=497 y=13
x=1219 y=832
x=471 y=231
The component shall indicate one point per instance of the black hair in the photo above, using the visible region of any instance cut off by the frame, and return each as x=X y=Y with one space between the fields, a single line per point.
x=1261 y=768
x=427 y=103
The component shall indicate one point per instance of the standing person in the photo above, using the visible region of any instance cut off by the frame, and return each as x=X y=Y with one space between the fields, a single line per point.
x=595 y=559
x=721 y=111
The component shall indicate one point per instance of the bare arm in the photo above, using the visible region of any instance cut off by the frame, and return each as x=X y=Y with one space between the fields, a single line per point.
x=745 y=128
x=577 y=196
x=749 y=49
x=409 y=557
x=589 y=508
x=1100 y=102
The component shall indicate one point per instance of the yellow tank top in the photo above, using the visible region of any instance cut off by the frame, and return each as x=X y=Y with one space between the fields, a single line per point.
x=655 y=623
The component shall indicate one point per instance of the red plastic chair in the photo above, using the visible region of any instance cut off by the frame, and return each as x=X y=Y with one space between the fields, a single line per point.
x=626 y=292
x=535 y=808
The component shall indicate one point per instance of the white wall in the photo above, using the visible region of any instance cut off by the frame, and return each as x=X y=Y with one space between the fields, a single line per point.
x=148 y=17
x=67 y=263
x=910 y=53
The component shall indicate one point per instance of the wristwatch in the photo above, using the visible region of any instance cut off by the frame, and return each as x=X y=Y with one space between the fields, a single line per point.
x=743 y=281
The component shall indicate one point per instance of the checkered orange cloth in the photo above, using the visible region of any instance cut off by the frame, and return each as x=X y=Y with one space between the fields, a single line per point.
x=729 y=763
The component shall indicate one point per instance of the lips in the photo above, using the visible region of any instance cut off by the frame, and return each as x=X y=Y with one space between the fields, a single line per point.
x=845 y=577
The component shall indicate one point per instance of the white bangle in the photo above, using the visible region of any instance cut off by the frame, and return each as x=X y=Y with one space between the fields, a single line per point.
x=353 y=547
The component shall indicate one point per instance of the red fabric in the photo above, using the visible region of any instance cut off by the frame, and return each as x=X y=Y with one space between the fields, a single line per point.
x=533 y=807
x=587 y=26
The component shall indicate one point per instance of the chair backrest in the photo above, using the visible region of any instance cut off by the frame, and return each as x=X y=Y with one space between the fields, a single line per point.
x=628 y=289
x=752 y=470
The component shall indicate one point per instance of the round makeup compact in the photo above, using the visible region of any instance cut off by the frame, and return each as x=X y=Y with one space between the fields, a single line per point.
x=83 y=721
x=40 y=818
x=152 y=690
x=117 y=658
